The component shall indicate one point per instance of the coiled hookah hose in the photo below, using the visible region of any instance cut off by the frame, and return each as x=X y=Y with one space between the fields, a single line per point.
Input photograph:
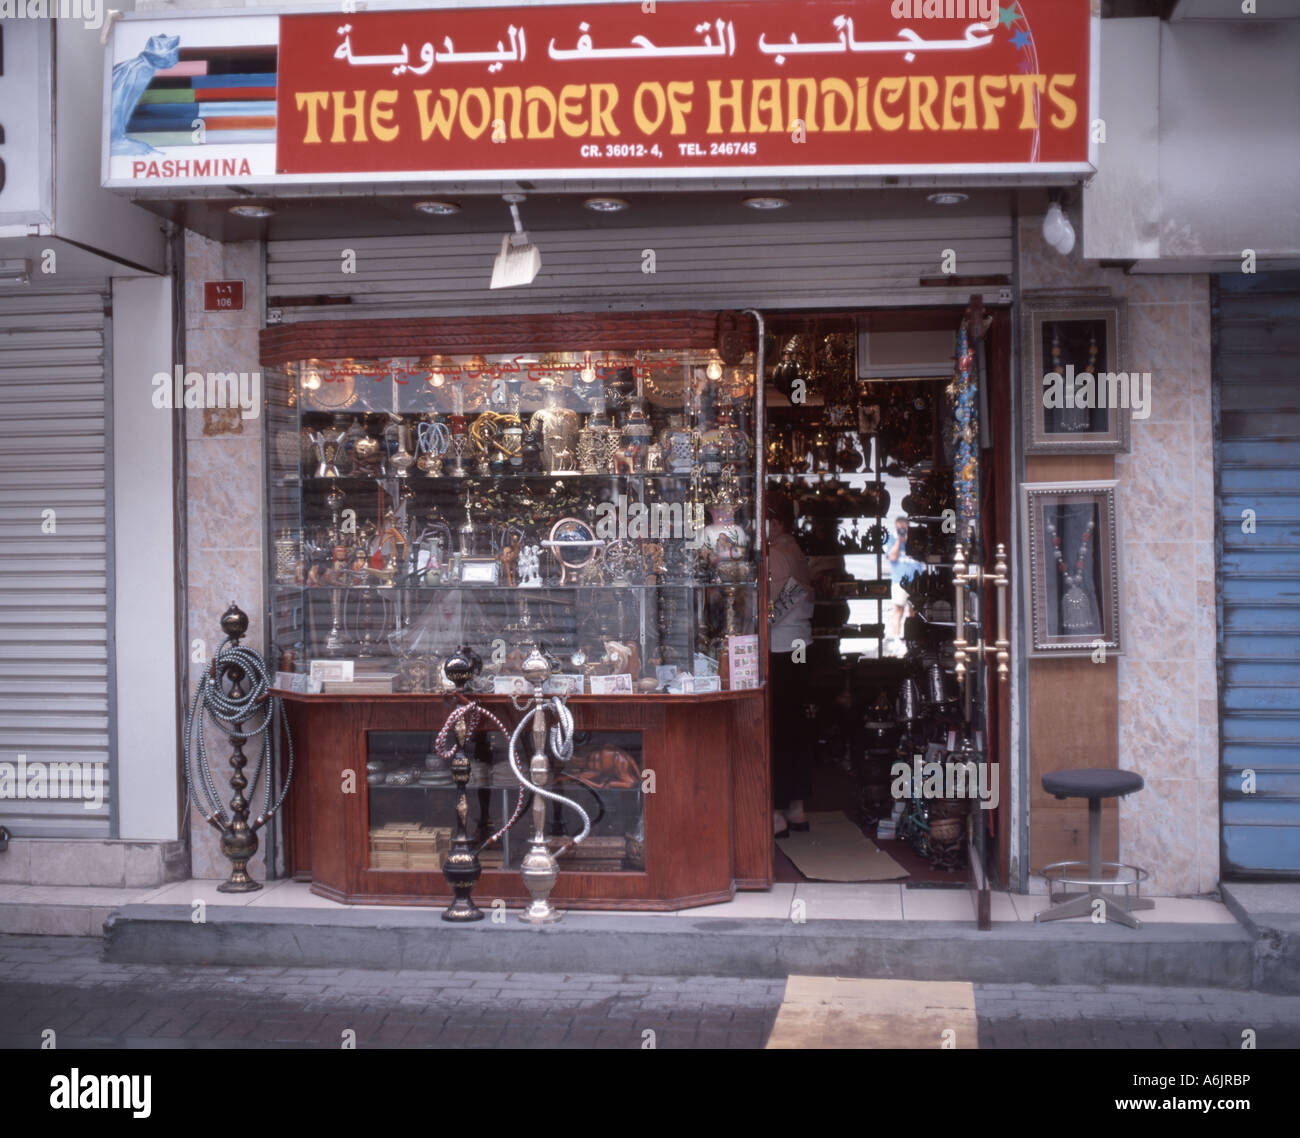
x=474 y=713
x=230 y=711
x=560 y=741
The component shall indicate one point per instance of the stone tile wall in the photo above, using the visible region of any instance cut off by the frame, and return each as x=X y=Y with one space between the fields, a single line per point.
x=1168 y=696
x=224 y=487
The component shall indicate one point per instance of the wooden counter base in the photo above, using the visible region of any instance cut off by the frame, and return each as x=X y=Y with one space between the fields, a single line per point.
x=708 y=826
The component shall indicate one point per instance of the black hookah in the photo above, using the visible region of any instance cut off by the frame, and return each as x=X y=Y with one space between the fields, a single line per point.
x=234 y=690
x=462 y=868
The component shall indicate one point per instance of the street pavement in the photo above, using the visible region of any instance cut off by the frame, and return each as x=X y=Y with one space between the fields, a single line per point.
x=60 y=984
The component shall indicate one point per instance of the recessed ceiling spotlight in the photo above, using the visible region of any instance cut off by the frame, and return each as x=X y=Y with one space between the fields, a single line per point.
x=606 y=205
x=767 y=202
x=252 y=211
x=438 y=209
x=948 y=198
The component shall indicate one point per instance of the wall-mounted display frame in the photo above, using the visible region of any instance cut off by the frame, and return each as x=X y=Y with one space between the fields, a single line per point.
x=1071 y=546
x=1074 y=383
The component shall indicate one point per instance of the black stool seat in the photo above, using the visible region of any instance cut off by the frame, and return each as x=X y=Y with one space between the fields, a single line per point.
x=1092 y=783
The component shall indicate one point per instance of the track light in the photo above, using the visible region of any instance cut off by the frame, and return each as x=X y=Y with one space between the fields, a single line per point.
x=520 y=260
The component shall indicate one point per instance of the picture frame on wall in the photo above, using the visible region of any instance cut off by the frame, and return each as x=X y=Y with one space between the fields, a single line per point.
x=1070 y=540
x=1074 y=379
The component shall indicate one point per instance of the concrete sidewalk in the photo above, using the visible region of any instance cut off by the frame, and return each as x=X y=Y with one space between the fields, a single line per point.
x=886 y=931
x=881 y=931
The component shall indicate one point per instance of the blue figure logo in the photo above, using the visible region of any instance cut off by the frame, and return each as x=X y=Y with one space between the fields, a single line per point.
x=130 y=78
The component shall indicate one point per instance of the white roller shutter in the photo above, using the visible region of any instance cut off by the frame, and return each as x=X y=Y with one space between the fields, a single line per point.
x=894 y=261
x=55 y=646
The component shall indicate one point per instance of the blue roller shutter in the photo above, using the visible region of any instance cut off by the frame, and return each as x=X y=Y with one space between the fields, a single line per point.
x=1257 y=408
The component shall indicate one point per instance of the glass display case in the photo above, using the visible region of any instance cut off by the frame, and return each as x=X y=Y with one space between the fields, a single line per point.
x=412 y=803
x=598 y=506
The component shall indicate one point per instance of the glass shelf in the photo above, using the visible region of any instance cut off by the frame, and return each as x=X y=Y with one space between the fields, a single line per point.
x=600 y=515
x=514 y=590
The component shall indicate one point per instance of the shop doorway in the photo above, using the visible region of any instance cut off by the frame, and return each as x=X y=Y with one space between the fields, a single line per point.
x=870 y=422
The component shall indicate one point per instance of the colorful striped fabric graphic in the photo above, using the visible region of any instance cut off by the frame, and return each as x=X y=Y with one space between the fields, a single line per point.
x=210 y=94
x=228 y=92
x=183 y=68
x=161 y=138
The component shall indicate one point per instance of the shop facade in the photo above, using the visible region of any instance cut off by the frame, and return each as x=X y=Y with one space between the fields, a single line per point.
x=685 y=306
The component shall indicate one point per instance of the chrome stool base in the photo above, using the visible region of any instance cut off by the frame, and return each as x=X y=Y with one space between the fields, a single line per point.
x=1081 y=904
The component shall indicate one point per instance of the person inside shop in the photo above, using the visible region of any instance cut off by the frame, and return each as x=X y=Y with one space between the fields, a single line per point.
x=790 y=612
x=901 y=567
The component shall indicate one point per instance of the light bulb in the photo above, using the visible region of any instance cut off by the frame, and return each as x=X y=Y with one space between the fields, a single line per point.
x=1065 y=245
x=714 y=369
x=588 y=372
x=311 y=379
x=436 y=366
x=1054 y=225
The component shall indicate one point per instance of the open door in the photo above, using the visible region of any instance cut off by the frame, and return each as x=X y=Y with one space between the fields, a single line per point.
x=982 y=580
x=862 y=439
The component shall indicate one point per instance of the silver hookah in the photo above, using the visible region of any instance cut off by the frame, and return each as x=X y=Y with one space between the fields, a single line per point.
x=539 y=867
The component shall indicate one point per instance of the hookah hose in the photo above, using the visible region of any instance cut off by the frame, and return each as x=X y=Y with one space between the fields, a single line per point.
x=475 y=713
x=560 y=738
x=230 y=711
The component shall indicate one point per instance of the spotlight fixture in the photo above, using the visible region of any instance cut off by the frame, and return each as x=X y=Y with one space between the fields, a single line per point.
x=948 y=197
x=438 y=209
x=605 y=205
x=254 y=211
x=519 y=260
x=766 y=202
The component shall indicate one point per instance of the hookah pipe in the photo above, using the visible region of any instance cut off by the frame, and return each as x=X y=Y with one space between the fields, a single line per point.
x=231 y=708
x=539 y=868
x=462 y=868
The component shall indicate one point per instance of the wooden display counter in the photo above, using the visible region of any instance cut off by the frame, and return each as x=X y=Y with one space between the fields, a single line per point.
x=707 y=825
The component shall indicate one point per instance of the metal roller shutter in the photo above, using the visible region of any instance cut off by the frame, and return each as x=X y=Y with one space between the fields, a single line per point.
x=1257 y=404
x=55 y=658
x=841 y=263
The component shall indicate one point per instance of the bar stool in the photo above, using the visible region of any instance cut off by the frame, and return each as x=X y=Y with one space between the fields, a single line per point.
x=1094 y=785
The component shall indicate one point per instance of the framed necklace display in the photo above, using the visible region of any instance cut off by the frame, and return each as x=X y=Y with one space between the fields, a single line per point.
x=1074 y=590
x=1079 y=399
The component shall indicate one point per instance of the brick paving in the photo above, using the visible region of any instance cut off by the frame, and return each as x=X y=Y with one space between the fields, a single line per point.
x=1123 y=1017
x=60 y=983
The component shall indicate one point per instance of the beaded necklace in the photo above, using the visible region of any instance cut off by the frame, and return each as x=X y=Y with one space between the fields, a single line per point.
x=1078 y=614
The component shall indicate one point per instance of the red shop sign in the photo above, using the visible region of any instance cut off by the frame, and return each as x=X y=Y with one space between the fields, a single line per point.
x=819 y=86
x=737 y=87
